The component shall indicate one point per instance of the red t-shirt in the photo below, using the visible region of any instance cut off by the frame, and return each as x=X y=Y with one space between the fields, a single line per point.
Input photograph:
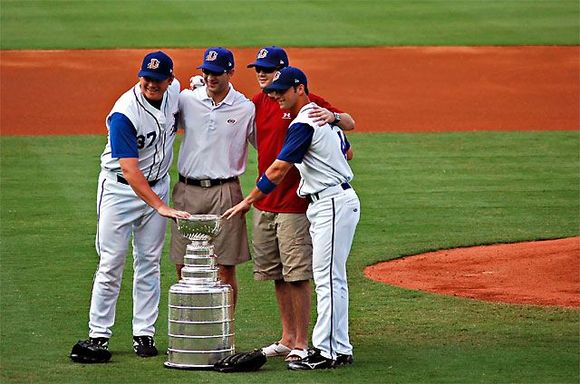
x=271 y=125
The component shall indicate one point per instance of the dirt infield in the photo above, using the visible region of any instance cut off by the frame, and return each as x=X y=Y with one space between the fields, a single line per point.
x=539 y=272
x=407 y=89
x=386 y=89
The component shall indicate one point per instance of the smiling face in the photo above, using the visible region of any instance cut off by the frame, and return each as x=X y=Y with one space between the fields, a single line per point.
x=264 y=76
x=286 y=98
x=154 y=89
x=218 y=84
x=292 y=99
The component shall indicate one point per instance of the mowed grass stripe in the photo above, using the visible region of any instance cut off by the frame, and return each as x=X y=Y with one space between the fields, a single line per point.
x=419 y=192
x=82 y=24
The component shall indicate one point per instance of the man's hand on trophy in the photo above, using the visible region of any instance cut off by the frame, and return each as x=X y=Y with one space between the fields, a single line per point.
x=171 y=213
x=241 y=208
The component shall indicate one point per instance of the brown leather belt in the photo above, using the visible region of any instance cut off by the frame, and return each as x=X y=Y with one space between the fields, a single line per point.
x=206 y=183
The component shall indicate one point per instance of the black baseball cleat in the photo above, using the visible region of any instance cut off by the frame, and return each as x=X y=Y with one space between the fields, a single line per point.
x=101 y=342
x=90 y=351
x=144 y=346
x=342 y=360
x=314 y=360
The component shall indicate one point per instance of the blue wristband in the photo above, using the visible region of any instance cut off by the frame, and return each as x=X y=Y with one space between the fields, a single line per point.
x=265 y=185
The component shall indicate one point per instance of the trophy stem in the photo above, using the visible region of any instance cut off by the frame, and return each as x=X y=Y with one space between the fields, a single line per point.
x=199 y=264
x=200 y=243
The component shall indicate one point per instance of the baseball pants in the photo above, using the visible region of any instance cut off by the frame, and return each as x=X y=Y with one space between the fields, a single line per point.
x=120 y=214
x=333 y=222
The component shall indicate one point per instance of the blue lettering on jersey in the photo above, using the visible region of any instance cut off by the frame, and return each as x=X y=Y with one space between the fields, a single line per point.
x=344 y=144
x=297 y=142
x=176 y=120
x=143 y=139
x=123 y=136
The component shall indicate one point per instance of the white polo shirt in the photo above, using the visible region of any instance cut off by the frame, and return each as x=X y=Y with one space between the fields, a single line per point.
x=215 y=142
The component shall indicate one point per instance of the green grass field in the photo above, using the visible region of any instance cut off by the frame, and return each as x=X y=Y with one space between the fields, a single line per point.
x=419 y=192
x=81 y=24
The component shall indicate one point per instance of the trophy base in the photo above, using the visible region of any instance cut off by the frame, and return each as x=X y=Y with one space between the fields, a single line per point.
x=201 y=325
x=195 y=359
x=167 y=364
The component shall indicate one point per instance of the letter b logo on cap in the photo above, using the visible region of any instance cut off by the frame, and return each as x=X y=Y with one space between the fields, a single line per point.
x=153 y=64
x=211 y=56
x=156 y=65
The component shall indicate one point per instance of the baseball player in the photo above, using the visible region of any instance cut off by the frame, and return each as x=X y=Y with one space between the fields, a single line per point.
x=320 y=153
x=132 y=200
x=281 y=239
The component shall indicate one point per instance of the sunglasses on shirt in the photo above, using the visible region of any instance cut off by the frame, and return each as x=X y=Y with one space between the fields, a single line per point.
x=264 y=69
x=208 y=72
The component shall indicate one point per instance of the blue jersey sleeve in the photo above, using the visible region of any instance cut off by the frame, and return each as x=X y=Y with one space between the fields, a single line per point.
x=123 y=136
x=297 y=142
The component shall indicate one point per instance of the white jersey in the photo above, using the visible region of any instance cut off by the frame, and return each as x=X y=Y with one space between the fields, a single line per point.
x=215 y=142
x=333 y=213
x=324 y=164
x=155 y=130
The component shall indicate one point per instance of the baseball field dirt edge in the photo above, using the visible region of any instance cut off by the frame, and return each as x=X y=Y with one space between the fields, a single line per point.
x=535 y=273
x=386 y=89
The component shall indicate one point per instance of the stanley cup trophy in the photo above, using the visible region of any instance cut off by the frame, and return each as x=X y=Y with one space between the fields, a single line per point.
x=201 y=323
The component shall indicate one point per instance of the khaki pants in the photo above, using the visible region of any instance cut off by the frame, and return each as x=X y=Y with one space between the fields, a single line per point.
x=231 y=245
x=282 y=246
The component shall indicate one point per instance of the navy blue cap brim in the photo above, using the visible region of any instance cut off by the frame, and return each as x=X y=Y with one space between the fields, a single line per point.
x=152 y=75
x=263 y=64
x=277 y=88
x=212 y=68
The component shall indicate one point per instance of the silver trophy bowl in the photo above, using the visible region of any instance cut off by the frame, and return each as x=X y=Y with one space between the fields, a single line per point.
x=200 y=227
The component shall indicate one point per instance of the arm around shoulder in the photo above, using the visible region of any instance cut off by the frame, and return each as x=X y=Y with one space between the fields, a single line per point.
x=346 y=122
x=349 y=154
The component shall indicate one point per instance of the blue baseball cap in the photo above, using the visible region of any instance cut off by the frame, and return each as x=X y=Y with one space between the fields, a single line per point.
x=286 y=78
x=217 y=59
x=271 y=57
x=156 y=65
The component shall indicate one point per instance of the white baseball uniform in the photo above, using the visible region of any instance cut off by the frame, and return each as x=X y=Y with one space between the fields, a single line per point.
x=319 y=153
x=136 y=129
